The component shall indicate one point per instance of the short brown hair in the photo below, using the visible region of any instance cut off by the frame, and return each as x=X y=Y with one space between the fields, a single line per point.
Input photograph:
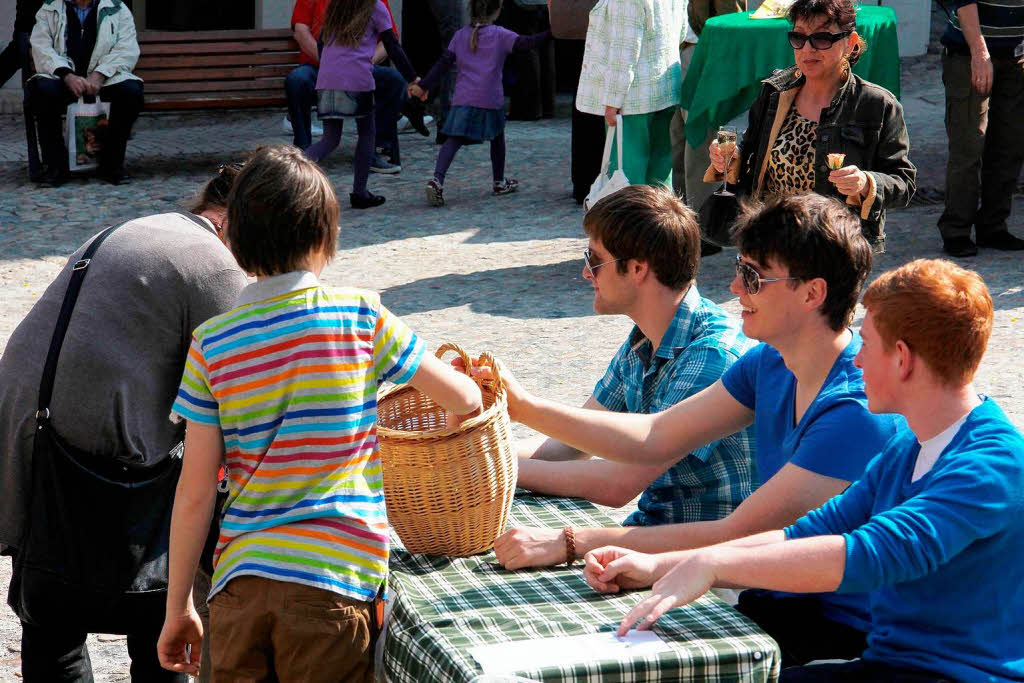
x=282 y=208
x=813 y=237
x=648 y=224
x=941 y=311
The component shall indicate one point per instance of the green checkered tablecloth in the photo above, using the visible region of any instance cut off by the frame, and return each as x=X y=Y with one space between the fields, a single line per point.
x=444 y=606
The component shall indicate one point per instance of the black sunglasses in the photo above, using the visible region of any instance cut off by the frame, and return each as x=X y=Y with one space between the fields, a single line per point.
x=590 y=266
x=751 y=279
x=819 y=41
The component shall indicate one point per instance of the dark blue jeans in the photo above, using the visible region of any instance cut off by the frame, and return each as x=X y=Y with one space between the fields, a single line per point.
x=50 y=99
x=389 y=96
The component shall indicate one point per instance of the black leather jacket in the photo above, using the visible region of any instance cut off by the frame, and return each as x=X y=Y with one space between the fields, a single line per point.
x=864 y=122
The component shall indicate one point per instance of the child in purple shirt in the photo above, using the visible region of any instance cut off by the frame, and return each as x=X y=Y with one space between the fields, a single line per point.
x=478 y=106
x=345 y=84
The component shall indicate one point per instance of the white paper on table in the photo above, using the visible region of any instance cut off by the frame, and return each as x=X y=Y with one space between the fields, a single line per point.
x=525 y=655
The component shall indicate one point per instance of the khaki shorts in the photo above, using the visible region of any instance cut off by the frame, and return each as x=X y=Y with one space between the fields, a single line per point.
x=266 y=630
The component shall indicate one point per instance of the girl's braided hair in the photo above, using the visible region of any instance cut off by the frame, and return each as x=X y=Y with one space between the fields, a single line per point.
x=482 y=13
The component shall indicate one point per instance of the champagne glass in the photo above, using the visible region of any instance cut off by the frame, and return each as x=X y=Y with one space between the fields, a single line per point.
x=727 y=145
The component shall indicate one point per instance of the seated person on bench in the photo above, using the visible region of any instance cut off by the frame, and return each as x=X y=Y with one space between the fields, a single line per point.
x=83 y=48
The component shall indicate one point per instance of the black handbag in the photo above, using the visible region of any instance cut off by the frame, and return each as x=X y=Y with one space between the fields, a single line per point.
x=94 y=552
x=717 y=216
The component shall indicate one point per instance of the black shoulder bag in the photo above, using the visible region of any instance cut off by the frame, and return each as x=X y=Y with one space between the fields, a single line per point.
x=94 y=552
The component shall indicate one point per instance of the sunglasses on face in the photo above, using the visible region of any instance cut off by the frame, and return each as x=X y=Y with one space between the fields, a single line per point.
x=819 y=41
x=590 y=266
x=752 y=280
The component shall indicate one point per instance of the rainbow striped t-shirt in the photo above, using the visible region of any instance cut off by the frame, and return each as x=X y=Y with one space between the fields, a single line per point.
x=291 y=378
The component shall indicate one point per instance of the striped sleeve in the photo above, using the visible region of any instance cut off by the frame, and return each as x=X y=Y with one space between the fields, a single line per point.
x=397 y=350
x=195 y=401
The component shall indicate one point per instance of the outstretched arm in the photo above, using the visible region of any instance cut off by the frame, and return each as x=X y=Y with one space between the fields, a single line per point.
x=398 y=56
x=452 y=390
x=655 y=439
x=444 y=63
x=809 y=565
x=523 y=43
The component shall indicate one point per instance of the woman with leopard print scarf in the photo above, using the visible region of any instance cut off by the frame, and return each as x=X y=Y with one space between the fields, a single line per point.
x=818 y=112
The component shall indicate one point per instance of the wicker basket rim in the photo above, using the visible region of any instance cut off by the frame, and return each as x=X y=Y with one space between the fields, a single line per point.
x=485 y=417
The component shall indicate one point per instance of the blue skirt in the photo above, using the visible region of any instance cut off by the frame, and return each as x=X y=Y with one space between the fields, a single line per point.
x=338 y=104
x=473 y=123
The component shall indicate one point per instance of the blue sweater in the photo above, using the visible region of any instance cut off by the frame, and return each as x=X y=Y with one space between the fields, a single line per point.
x=942 y=557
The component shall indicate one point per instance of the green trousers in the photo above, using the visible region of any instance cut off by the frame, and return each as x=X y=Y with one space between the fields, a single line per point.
x=646 y=148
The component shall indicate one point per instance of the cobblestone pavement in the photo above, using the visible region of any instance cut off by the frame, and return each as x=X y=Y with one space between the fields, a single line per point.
x=494 y=273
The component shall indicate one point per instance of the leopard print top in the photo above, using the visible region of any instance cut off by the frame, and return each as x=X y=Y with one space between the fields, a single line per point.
x=791 y=162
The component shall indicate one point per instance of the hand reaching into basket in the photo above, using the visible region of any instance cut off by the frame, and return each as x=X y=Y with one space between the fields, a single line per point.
x=517 y=396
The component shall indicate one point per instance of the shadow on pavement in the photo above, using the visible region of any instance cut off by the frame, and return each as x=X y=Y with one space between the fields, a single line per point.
x=554 y=290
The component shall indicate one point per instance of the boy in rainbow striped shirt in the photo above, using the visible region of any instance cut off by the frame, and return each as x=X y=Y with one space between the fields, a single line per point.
x=283 y=388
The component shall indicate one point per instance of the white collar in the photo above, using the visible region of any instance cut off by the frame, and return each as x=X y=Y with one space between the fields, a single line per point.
x=276 y=285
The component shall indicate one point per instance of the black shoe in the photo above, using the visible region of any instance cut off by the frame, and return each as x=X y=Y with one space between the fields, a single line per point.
x=708 y=248
x=1001 y=240
x=52 y=177
x=368 y=202
x=959 y=246
x=414 y=111
x=114 y=176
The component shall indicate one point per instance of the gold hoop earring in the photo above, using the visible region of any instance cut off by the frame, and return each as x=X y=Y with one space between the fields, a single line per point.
x=845 y=67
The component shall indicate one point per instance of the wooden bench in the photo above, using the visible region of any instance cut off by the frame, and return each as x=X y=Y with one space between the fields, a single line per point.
x=193 y=70
x=215 y=69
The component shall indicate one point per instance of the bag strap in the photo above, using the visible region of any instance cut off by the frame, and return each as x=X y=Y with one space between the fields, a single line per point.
x=618 y=138
x=197 y=220
x=606 y=158
x=60 y=330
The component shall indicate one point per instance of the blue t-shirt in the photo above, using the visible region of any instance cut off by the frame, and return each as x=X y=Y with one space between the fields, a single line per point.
x=943 y=556
x=836 y=437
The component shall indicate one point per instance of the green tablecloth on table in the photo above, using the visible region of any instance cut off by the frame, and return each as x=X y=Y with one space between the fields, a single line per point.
x=736 y=53
x=443 y=606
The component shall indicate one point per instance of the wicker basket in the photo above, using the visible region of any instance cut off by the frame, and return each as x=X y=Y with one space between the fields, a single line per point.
x=448 y=490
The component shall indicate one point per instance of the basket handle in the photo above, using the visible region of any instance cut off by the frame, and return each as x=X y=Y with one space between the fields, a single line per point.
x=485 y=359
x=450 y=346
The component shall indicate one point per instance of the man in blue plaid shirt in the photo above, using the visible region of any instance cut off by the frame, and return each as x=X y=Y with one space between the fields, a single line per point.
x=681 y=344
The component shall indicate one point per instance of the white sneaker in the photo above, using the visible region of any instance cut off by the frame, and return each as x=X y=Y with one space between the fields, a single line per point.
x=405 y=127
x=316 y=128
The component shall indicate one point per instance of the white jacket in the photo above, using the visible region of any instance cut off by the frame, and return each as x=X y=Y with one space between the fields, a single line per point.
x=631 y=59
x=114 y=55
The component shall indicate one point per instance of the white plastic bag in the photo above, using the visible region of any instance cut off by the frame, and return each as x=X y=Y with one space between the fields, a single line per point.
x=86 y=128
x=607 y=183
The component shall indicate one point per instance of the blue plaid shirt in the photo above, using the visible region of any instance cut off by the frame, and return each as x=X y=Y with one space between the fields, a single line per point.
x=701 y=342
